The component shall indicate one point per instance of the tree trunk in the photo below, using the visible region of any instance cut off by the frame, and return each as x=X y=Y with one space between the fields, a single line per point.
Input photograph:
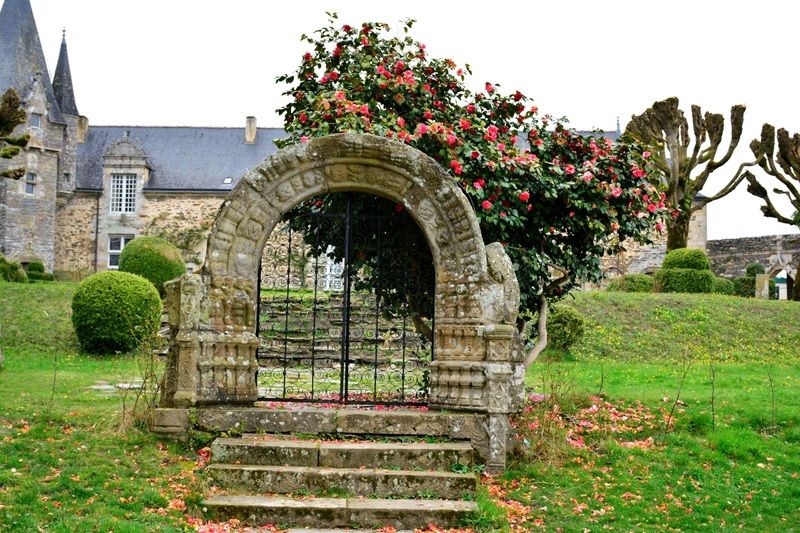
x=677 y=232
x=794 y=292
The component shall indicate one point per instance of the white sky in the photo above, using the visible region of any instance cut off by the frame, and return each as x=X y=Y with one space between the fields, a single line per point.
x=211 y=63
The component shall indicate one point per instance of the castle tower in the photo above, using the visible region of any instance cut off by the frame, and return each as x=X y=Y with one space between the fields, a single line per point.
x=76 y=124
x=28 y=205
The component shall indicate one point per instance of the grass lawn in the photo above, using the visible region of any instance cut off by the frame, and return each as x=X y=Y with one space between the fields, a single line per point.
x=597 y=463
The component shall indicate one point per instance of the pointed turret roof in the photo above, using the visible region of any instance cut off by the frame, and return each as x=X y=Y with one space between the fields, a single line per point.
x=21 y=56
x=62 y=81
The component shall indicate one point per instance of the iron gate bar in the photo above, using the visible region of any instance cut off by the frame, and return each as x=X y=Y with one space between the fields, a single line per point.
x=349 y=392
x=344 y=382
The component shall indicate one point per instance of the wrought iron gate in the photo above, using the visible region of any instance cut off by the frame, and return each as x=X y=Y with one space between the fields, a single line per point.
x=329 y=332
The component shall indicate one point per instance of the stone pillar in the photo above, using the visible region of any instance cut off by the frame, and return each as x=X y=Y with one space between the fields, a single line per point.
x=762 y=286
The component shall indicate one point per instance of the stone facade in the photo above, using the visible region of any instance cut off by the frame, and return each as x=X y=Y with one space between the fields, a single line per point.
x=730 y=257
x=77 y=236
x=478 y=368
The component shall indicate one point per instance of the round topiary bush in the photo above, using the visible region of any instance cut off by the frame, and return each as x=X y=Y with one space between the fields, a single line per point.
x=684 y=280
x=115 y=312
x=152 y=258
x=565 y=327
x=35 y=266
x=631 y=283
x=754 y=269
x=12 y=271
x=691 y=258
x=723 y=286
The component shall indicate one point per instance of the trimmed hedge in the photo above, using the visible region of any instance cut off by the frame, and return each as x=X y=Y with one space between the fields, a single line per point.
x=753 y=269
x=723 y=286
x=690 y=258
x=34 y=275
x=35 y=266
x=684 y=280
x=565 y=326
x=12 y=271
x=153 y=258
x=631 y=283
x=115 y=312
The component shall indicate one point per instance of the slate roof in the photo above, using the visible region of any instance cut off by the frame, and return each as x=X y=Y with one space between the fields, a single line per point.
x=21 y=55
x=181 y=158
x=62 y=82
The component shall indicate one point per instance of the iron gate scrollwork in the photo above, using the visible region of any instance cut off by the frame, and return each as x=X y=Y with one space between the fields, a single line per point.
x=330 y=329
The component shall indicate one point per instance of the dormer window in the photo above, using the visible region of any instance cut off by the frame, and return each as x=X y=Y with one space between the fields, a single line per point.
x=227 y=181
x=123 y=194
x=36 y=120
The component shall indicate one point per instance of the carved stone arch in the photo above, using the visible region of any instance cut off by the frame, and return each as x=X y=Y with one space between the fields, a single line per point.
x=212 y=311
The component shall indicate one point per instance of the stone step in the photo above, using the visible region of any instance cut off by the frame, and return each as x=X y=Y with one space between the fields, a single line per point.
x=286 y=452
x=367 y=482
x=339 y=512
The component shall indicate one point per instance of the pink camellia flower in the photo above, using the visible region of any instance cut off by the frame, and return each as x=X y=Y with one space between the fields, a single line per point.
x=486 y=204
x=481 y=183
x=347 y=28
x=489 y=88
x=659 y=227
x=323 y=79
x=534 y=109
x=524 y=196
x=426 y=88
x=477 y=184
x=427 y=115
x=380 y=70
x=334 y=75
x=339 y=95
x=652 y=208
x=337 y=51
x=304 y=139
x=399 y=66
x=401 y=122
x=303 y=118
x=501 y=147
x=645 y=198
x=503 y=214
x=470 y=108
x=474 y=155
x=465 y=124
x=530 y=207
x=457 y=167
x=569 y=169
x=614 y=226
x=518 y=96
x=616 y=192
x=587 y=176
x=451 y=139
x=491 y=132
x=307 y=56
x=422 y=128
x=364 y=109
x=645 y=154
x=637 y=172
x=364 y=41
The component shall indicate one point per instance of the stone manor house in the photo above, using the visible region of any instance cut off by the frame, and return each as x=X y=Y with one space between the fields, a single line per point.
x=88 y=190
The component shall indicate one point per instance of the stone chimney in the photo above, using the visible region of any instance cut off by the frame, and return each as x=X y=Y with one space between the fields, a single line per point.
x=82 y=129
x=250 y=131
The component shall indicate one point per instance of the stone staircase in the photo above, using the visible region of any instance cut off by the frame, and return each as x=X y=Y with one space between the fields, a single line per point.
x=291 y=482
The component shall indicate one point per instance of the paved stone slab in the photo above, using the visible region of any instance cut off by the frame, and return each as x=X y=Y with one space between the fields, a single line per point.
x=358 y=482
x=266 y=452
x=261 y=510
x=426 y=456
x=408 y=513
x=338 y=513
x=243 y=419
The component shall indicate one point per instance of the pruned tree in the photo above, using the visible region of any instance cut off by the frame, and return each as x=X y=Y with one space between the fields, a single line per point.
x=786 y=172
x=686 y=160
x=11 y=116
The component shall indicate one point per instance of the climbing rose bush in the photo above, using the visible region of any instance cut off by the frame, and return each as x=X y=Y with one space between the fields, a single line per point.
x=556 y=200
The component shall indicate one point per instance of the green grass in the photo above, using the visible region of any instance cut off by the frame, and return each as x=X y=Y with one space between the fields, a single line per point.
x=644 y=327
x=68 y=467
x=64 y=463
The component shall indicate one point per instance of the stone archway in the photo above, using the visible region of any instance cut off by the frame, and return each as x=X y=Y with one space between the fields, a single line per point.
x=212 y=359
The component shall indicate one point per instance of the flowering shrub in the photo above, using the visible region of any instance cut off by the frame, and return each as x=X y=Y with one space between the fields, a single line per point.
x=556 y=199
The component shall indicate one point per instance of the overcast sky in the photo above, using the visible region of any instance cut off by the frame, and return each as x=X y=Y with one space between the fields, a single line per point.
x=211 y=63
